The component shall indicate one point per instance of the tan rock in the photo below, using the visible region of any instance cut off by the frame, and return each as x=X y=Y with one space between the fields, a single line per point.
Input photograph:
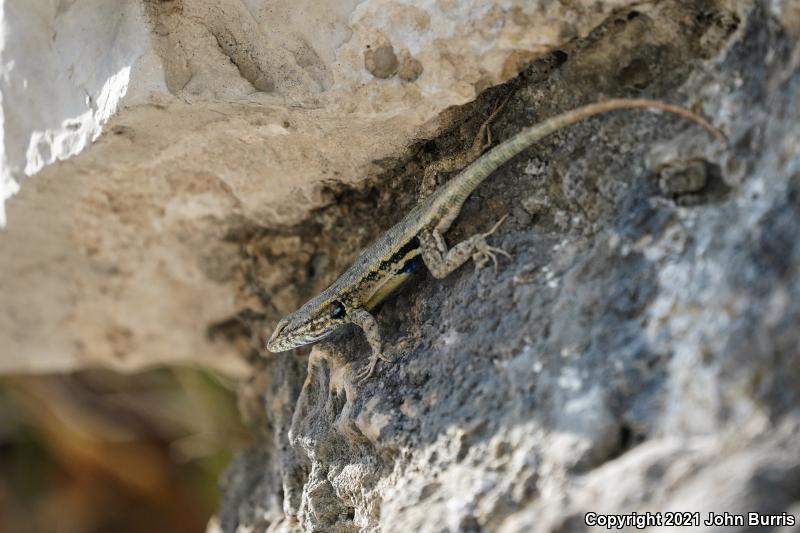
x=234 y=115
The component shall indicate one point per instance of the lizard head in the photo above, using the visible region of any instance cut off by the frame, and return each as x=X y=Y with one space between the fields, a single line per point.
x=312 y=322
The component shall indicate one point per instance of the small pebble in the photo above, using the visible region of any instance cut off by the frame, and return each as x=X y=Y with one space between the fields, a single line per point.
x=381 y=62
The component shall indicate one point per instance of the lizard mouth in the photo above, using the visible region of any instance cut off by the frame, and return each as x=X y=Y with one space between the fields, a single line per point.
x=276 y=345
x=277 y=341
x=283 y=340
x=280 y=342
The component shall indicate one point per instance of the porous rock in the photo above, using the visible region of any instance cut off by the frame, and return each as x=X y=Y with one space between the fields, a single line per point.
x=636 y=354
x=230 y=117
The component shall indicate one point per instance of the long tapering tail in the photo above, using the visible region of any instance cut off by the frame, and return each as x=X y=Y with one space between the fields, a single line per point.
x=474 y=174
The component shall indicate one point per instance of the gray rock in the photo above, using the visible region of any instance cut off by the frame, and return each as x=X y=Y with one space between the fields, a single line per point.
x=638 y=353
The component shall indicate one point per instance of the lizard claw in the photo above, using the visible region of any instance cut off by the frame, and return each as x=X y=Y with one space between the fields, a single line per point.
x=484 y=253
x=365 y=373
x=486 y=130
x=496 y=225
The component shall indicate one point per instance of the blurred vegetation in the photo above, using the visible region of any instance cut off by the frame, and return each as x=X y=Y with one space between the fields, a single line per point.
x=97 y=452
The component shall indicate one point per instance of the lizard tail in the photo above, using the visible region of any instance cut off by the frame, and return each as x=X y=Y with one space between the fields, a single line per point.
x=480 y=169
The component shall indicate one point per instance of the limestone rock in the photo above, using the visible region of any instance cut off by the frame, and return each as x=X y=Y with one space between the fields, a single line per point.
x=65 y=68
x=229 y=118
x=640 y=351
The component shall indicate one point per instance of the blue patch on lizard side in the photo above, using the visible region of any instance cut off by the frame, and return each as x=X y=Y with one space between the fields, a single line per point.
x=411 y=265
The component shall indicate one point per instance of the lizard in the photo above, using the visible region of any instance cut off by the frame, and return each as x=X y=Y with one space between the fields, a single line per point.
x=418 y=239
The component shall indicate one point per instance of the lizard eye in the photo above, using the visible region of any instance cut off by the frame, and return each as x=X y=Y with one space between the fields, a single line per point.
x=281 y=326
x=338 y=310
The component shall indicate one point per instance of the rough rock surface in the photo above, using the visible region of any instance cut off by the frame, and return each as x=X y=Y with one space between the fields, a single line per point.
x=232 y=118
x=640 y=352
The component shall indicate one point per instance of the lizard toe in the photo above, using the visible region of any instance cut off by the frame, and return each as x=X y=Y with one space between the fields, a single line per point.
x=485 y=253
x=365 y=373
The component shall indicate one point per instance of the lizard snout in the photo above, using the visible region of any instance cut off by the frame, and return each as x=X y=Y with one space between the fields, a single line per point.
x=275 y=342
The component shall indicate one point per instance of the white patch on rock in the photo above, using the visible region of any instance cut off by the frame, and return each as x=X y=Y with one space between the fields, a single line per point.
x=64 y=69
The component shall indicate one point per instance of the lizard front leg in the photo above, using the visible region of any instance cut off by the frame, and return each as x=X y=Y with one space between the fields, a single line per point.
x=441 y=261
x=363 y=319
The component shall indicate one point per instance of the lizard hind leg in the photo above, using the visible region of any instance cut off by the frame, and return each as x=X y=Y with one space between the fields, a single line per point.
x=442 y=261
x=454 y=162
x=484 y=253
